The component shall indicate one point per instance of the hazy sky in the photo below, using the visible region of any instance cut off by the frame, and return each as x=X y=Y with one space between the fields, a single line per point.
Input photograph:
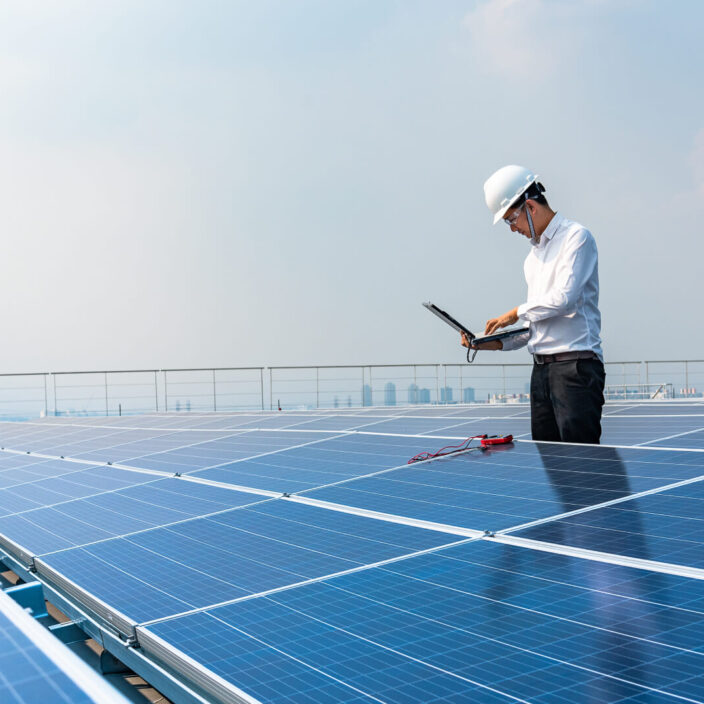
x=234 y=183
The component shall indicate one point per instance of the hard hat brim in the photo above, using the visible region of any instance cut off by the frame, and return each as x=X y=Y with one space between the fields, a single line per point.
x=500 y=213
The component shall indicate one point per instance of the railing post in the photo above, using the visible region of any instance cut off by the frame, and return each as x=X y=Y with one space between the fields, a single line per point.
x=271 y=389
x=461 y=398
x=317 y=387
x=371 y=387
x=107 y=411
x=156 y=391
x=56 y=405
x=647 y=375
x=215 y=394
x=437 y=383
x=362 y=387
x=444 y=368
x=46 y=398
x=686 y=378
x=261 y=385
x=503 y=374
x=166 y=392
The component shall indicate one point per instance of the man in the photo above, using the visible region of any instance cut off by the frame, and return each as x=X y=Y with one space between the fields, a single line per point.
x=562 y=309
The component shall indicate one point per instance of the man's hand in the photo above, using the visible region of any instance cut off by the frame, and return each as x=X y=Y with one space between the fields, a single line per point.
x=501 y=322
x=495 y=345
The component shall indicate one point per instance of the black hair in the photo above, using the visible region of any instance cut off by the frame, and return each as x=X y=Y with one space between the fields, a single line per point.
x=533 y=192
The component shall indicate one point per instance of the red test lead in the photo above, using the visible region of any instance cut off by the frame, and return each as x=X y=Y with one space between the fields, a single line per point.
x=485 y=440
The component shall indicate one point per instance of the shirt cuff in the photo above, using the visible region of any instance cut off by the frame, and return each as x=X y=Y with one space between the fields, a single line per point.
x=522 y=310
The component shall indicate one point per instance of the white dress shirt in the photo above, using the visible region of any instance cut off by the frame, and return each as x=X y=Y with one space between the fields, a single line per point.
x=562 y=273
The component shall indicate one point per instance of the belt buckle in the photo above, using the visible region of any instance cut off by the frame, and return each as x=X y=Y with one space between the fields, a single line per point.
x=538 y=359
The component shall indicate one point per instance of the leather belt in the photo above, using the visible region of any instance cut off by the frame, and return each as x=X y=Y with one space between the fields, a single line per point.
x=563 y=357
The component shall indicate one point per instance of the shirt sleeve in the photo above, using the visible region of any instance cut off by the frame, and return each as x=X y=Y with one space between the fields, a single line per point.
x=515 y=342
x=577 y=260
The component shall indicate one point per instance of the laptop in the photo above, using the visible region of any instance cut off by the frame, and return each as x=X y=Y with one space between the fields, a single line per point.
x=446 y=317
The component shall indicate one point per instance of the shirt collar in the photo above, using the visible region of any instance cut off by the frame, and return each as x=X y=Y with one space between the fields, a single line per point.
x=552 y=227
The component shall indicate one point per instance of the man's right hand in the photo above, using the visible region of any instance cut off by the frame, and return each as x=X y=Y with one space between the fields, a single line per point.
x=494 y=345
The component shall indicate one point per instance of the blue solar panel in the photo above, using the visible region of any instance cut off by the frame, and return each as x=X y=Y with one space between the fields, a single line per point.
x=248 y=550
x=473 y=623
x=79 y=483
x=113 y=513
x=481 y=622
x=321 y=463
x=220 y=451
x=35 y=667
x=134 y=443
x=692 y=440
x=512 y=485
x=665 y=526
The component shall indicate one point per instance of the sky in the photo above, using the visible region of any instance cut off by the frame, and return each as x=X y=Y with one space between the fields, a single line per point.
x=226 y=183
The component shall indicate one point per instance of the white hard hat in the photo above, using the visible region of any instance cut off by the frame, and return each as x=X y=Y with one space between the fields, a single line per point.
x=504 y=186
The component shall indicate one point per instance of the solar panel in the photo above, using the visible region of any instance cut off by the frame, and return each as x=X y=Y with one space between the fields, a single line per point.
x=189 y=457
x=78 y=483
x=692 y=439
x=479 y=622
x=114 y=513
x=325 y=461
x=512 y=485
x=36 y=667
x=234 y=554
x=666 y=526
x=335 y=593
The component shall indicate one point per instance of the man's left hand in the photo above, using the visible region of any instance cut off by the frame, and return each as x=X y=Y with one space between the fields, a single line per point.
x=501 y=322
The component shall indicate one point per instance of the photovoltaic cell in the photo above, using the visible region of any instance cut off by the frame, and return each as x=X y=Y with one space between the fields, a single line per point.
x=694 y=441
x=325 y=462
x=36 y=667
x=511 y=485
x=666 y=526
x=75 y=484
x=222 y=451
x=245 y=551
x=467 y=624
x=114 y=513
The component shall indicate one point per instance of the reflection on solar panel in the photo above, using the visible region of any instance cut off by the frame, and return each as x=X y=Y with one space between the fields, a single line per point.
x=297 y=557
x=36 y=667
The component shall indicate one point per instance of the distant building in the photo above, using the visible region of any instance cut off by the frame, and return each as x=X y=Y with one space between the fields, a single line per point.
x=413 y=393
x=446 y=394
x=424 y=395
x=390 y=394
x=468 y=395
x=336 y=402
x=349 y=402
x=367 y=395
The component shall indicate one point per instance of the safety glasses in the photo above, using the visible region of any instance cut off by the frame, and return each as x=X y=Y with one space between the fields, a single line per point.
x=512 y=220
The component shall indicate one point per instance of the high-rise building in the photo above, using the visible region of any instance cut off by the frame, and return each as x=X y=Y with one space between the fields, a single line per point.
x=446 y=394
x=367 y=395
x=424 y=395
x=390 y=394
x=468 y=395
x=413 y=393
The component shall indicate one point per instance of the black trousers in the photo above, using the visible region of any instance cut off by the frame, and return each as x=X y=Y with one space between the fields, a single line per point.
x=566 y=399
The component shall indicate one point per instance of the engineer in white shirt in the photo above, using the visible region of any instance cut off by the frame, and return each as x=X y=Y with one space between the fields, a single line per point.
x=562 y=310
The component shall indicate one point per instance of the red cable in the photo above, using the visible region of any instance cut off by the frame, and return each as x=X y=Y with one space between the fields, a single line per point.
x=486 y=441
x=464 y=445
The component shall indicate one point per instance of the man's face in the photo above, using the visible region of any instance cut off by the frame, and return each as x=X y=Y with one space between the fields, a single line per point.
x=516 y=219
